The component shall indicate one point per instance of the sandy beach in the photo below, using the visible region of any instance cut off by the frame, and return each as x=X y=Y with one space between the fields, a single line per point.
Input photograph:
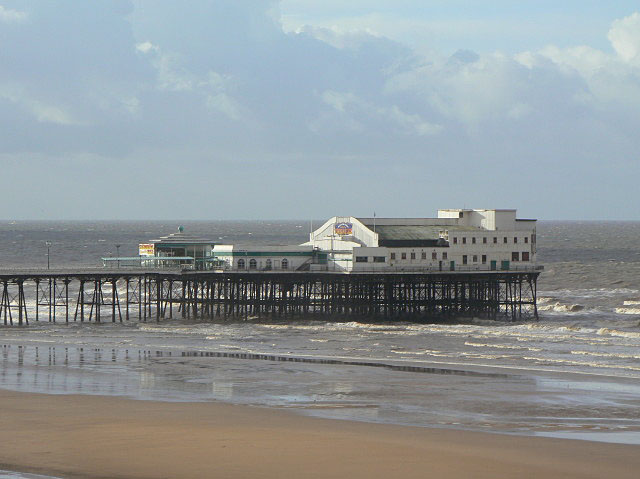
x=109 y=437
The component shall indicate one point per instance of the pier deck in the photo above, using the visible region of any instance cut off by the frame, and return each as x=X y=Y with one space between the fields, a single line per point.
x=139 y=295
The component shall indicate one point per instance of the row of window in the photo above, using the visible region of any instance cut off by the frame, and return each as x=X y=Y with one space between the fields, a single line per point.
x=485 y=240
x=376 y=259
x=383 y=259
x=253 y=264
x=423 y=255
x=515 y=256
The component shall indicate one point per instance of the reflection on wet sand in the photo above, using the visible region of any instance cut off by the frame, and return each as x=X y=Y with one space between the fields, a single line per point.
x=375 y=391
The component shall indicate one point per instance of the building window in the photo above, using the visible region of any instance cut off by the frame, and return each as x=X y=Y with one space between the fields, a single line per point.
x=253 y=264
x=444 y=255
x=464 y=240
x=515 y=240
x=464 y=259
x=424 y=255
x=473 y=240
x=484 y=259
x=413 y=256
x=393 y=256
x=285 y=263
x=404 y=256
x=455 y=240
x=268 y=264
x=505 y=240
x=434 y=255
x=495 y=240
x=515 y=256
x=362 y=259
x=526 y=239
x=525 y=256
x=484 y=240
x=240 y=264
x=475 y=258
x=379 y=259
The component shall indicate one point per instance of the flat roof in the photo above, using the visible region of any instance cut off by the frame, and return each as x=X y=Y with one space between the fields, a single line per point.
x=179 y=239
x=415 y=232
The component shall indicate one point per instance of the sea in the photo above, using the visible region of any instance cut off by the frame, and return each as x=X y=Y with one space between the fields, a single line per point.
x=574 y=373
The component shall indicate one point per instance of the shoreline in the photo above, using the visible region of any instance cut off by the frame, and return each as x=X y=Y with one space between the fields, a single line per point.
x=451 y=396
x=101 y=436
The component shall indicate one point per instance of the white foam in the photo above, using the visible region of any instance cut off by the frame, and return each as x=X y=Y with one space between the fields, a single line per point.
x=581 y=363
x=627 y=310
x=606 y=355
x=617 y=333
x=558 y=307
x=631 y=302
x=589 y=293
x=500 y=346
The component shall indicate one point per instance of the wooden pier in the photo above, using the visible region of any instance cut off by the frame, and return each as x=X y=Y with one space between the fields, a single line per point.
x=123 y=295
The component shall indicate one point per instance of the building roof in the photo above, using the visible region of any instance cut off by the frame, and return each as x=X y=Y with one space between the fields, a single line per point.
x=414 y=235
x=181 y=238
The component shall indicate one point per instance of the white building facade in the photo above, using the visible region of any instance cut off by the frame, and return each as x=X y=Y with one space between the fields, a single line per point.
x=457 y=240
x=268 y=258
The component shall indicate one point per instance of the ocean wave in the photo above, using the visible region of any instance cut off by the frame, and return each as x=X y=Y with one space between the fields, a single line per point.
x=631 y=302
x=148 y=328
x=485 y=356
x=606 y=355
x=588 y=293
x=581 y=363
x=338 y=326
x=558 y=307
x=500 y=346
x=425 y=352
x=628 y=310
x=618 y=333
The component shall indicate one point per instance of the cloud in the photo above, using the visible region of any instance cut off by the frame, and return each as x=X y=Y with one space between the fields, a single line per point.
x=146 y=47
x=41 y=111
x=7 y=15
x=625 y=37
x=228 y=92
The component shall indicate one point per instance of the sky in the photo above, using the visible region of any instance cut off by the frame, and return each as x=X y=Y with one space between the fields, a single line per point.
x=294 y=109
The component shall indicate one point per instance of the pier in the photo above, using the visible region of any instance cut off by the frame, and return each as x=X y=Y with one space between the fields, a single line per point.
x=136 y=295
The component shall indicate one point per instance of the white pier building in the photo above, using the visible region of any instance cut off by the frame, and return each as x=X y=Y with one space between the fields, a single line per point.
x=457 y=240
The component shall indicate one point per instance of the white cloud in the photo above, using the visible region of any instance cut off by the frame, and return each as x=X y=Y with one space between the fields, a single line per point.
x=336 y=37
x=470 y=92
x=624 y=35
x=171 y=76
x=51 y=114
x=355 y=113
x=43 y=112
x=7 y=15
x=413 y=124
x=338 y=100
x=219 y=99
x=146 y=47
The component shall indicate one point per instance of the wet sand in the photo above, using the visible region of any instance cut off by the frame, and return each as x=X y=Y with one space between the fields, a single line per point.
x=108 y=437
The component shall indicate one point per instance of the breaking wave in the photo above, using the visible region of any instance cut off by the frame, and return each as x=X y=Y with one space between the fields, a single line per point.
x=617 y=333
